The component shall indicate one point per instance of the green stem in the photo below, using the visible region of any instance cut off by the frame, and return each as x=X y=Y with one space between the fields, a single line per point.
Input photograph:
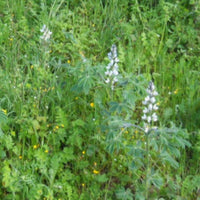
x=147 y=168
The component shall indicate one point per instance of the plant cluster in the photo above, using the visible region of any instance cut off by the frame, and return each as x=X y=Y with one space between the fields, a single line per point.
x=99 y=100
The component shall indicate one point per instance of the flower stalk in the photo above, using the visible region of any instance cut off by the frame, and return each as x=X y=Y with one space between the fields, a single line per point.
x=149 y=117
x=112 y=68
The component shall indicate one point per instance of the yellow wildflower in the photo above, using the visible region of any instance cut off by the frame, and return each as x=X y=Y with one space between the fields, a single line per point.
x=83 y=152
x=95 y=164
x=126 y=132
x=57 y=127
x=28 y=85
x=69 y=61
x=35 y=146
x=20 y=157
x=5 y=111
x=11 y=39
x=92 y=105
x=136 y=131
x=76 y=98
x=176 y=91
x=62 y=125
x=46 y=151
x=95 y=171
x=13 y=133
x=32 y=66
x=83 y=184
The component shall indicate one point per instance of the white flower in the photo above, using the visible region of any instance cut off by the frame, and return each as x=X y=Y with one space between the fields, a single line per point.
x=154 y=117
x=153 y=100
x=112 y=67
x=155 y=107
x=46 y=33
x=148 y=119
x=145 y=110
x=43 y=28
x=150 y=108
x=144 y=117
x=146 y=100
x=107 y=80
x=155 y=93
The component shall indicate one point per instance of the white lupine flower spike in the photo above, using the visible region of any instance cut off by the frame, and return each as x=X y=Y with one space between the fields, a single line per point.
x=150 y=107
x=112 y=68
x=46 y=33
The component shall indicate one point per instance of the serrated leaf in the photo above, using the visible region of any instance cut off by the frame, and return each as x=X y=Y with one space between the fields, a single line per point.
x=68 y=154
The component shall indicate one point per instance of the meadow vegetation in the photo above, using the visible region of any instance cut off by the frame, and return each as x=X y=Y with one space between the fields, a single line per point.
x=99 y=100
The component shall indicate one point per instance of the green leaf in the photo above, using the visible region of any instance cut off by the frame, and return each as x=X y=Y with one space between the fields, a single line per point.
x=117 y=107
x=123 y=194
x=35 y=124
x=166 y=157
x=102 y=178
x=3 y=117
x=157 y=181
x=68 y=154
x=91 y=150
x=78 y=122
x=84 y=84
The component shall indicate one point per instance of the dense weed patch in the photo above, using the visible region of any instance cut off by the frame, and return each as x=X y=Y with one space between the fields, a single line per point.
x=99 y=100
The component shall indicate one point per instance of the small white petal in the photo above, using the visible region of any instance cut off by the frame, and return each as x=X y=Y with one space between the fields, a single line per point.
x=155 y=107
x=144 y=117
x=154 y=117
x=107 y=80
x=150 y=107
x=43 y=28
x=153 y=100
x=147 y=98
x=145 y=110
x=148 y=119
x=144 y=102
x=155 y=93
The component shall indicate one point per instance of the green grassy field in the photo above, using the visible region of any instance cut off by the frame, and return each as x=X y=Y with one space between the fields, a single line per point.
x=99 y=100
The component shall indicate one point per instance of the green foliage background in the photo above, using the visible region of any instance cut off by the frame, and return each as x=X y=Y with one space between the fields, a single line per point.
x=54 y=144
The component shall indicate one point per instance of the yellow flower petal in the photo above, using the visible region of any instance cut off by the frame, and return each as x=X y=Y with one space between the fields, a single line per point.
x=92 y=105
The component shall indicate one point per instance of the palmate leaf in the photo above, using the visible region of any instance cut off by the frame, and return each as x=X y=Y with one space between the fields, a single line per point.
x=157 y=180
x=123 y=194
x=84 y=84
x=117 y=107
x=166 y=157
